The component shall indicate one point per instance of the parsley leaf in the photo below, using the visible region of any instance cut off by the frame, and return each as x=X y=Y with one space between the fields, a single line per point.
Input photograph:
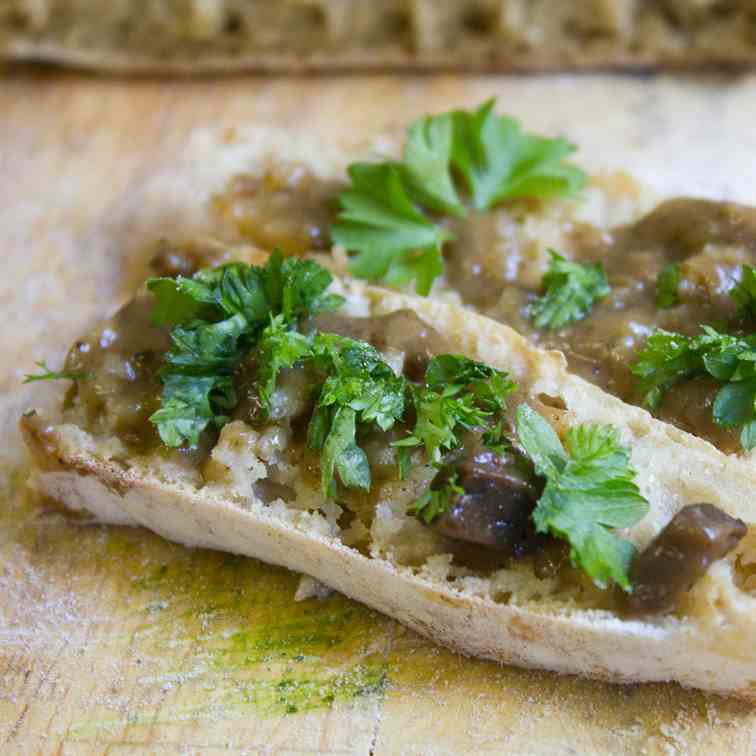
x=440 y=416
x=668 y=358
x=360 y=378
x=744 y=293
x=178 y=300
x=279 y=347
x=340 y=451
x=501 y=162
x=52 y=375
x=667 y=285
x=300 y=287
x=570 y=290
x=360 y=389
x=458 y=394
x=385 y=220
x=357 y=389
x=489 y=386
x=665 y=359
x=393 y=239
x=496 y=439
x=589 y=489
x=196 y=376
x=428 y=161
x=218 y=315
x=748 y=435
x=189 y=404
x=435 y=501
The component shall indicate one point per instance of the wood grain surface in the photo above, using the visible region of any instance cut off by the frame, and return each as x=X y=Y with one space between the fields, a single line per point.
x=114 y=641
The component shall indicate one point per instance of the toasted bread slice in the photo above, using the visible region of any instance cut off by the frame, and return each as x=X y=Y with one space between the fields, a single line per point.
x=509 y=614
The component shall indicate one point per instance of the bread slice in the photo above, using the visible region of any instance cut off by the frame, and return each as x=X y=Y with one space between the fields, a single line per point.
x=302 y=35
x=508 y=615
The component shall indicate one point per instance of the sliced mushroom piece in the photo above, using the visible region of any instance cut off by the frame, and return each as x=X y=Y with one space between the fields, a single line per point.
x=499 y=493
x=680 y=555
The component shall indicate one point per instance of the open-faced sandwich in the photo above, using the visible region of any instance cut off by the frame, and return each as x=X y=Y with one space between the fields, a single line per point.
x=427 y=459
x=190 y=36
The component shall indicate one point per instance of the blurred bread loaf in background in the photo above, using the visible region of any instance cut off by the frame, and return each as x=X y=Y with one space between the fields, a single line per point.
x=196 y=36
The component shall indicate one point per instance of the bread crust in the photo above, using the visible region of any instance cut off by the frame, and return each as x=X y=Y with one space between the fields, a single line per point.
x=181 y=37
x=130 y=62
x=710 y=648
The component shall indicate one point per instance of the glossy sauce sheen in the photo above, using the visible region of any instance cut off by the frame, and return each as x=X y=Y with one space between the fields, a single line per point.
x=120 y=358
x=710 y=241
x=491 y=271
x=288 y=208
x=490 y=518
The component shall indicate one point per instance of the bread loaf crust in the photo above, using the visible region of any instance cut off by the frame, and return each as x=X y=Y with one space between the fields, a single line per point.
x=322 y=35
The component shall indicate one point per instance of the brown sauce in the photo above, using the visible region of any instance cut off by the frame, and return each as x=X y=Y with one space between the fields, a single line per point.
x=495 y=272
x=286 y=208
x=709 y=240
x=290 y=208
x=120 y=358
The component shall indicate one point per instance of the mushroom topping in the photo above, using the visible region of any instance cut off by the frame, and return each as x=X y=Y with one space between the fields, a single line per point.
x=495 y=498
x=680 y=555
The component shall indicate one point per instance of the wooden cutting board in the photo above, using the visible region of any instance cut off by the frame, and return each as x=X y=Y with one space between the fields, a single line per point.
x=114 y=641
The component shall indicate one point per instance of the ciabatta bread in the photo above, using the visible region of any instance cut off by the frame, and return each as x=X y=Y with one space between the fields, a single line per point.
x=508 y=615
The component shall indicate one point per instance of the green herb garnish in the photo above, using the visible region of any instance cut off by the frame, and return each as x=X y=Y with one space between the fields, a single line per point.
x=458 y=394
x=54 y=375
x=388 y=218
x=570 y=289
x=589 y=489
x=668 y=358
x=218 y=316
x=744 y=293
x=435 y=501
x=360 y=390
x=667 y=286
x=222 y=315
x=496 y=439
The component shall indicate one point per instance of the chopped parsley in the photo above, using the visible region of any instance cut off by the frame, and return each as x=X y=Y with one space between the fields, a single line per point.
x=394 y=240
x=389 y=214
x=744 y=293
x=360 y=390
x=458 y=394
x=496 y=439
x=435 y=501
x=570 y=289
x=221 y=316
x=218 y=315
x=46 y=374
x=668 y=358
x=667 y=286
x=589 y=490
